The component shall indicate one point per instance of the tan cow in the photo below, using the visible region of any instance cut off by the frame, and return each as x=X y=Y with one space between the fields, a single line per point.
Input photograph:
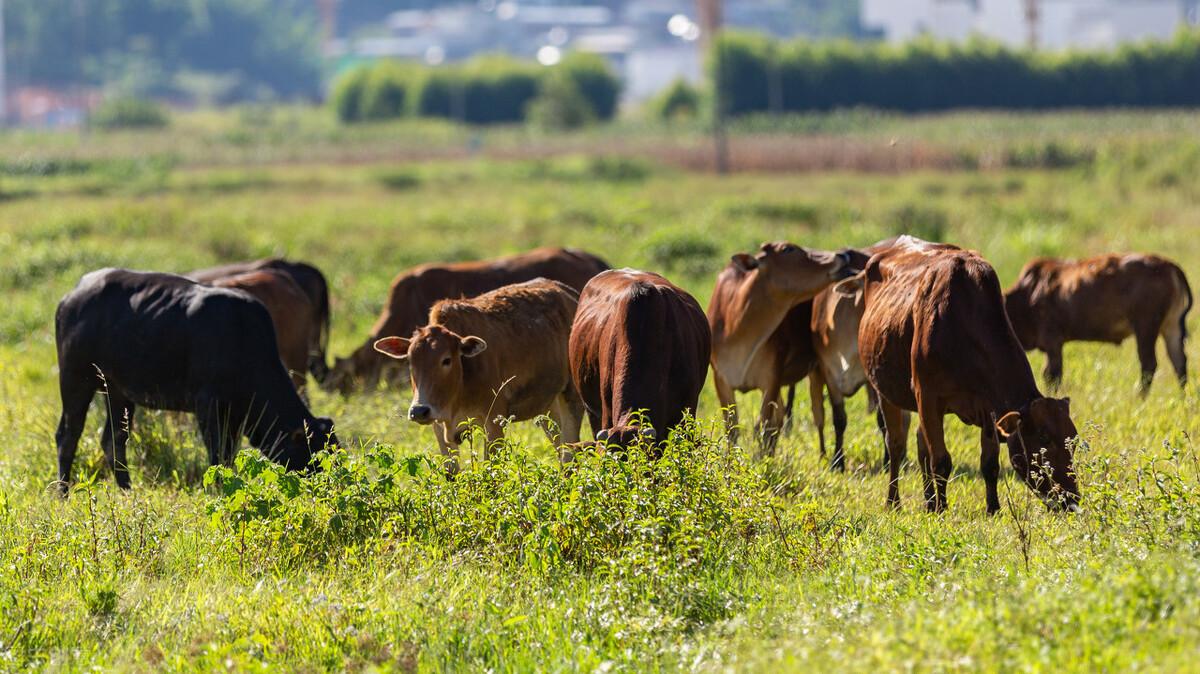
x=1102 y=299
x=935 y=339
x=414 y=292
x=834 y=334
x=753 y=295
x=501 y=355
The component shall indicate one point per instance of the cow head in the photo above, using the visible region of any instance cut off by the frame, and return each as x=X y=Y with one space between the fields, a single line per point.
x=296 y=449
x=789 y=269
x=1039 y=439
x=435 y=359
x=625 y=436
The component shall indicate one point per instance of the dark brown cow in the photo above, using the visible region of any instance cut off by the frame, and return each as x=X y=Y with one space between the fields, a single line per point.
x=838 y=369
x=310 y=280
x=754 y=294
x=501 y=355
x=1102 y=299
x=935 y=339
x=414 y=292
x=639 y=346
x=291 y=313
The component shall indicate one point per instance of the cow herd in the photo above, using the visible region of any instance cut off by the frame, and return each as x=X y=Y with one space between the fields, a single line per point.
x=554 y=335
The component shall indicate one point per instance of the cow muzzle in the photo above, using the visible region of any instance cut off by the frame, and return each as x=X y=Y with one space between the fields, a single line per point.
x=422 y=414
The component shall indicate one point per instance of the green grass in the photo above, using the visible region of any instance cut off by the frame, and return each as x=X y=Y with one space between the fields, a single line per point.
x=708 y=560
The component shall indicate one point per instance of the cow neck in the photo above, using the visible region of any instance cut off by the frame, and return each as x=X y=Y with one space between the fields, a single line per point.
x=757 y=313
x=1013 y=384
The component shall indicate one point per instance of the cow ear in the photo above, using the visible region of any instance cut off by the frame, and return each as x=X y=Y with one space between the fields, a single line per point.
x=602 y=435
x=745 y=262
x=472 y=346
x=648 y=434
x=395 y=347
x=1009 y=424
x=850 y=287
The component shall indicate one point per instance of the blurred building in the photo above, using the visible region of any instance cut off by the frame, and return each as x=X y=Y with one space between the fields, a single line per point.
x=1058 y=24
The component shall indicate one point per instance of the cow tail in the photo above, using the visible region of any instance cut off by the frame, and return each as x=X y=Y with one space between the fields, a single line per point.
x=316 y=360
x=1187 y=289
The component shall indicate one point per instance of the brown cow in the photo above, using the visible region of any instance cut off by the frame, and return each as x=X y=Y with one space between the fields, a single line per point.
x=414 y=292
x=935 y=339
x=834 y=334
x=309 y=279
x=639 y=346
x=1102 y=299
x=754 y=294
x=500 y=355
x=292 y=315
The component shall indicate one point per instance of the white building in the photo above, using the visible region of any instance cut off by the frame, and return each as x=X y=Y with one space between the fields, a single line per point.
x=1061 y=23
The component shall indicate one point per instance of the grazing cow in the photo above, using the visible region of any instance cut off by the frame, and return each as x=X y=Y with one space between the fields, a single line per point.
x=292 y=314
x=834 y=331
x=414 y=292
x=310 y=280
x=502 y=355
x=164 y=342
x=639 y=346
x=753 y=296
x=934 y=339
x=1102 y=299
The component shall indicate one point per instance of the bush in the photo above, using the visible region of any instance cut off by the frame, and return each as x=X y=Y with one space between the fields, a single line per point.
x=560 y=106
x=594 y=80
x=678 y=101
x=347 y=94
x=924 y=75
x=385 y=91
x=129 y=113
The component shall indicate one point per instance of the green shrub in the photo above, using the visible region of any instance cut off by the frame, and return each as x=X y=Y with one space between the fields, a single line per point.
x=560 y=106
x=385 y=91
x=347 y=94
x=129 y=113
x=594 y=80
x=924 y=75
x=678 y=101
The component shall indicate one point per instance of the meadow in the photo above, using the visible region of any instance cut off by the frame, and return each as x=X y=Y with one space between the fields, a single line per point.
x=709 y=559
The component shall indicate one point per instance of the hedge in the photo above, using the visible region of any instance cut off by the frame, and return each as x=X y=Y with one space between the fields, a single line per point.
x=759 y=74
x=485 y=90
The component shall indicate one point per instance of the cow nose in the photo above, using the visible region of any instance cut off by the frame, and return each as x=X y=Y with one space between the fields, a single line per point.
x=419 y=413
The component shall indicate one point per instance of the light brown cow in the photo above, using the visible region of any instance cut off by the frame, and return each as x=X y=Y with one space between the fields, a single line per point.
x=1102 y=299
x=639 y=346
x=834 y=334
x=414 y=292
x=935 y=339
x=501 y=355
x=753 y=295
x=292 y=315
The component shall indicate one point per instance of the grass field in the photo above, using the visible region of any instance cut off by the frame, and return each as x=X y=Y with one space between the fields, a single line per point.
x=706 y=561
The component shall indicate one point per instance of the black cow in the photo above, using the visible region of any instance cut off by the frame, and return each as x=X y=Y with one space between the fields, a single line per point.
x=311 y=281
x=165 y=342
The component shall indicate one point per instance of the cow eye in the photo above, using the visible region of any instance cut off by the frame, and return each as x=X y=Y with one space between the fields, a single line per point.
x=446 y=361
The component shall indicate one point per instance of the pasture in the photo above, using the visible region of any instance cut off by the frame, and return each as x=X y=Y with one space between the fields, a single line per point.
x=708 y=559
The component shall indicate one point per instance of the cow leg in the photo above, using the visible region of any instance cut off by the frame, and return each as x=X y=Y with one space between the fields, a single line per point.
x=937 y=459
x=1147 y=358
x=989 y=465
x=1053 y=373
x=873 y=404
x=788 y=407
x=493 y=433
x=1174 y=337
x=893 y=431
x=446 y=445
x=115 y=437
x=728 y=406
x=220 y=435
x=838 y=403
x=76 y=393
x=816 y=396
x=567 y=413
x=770 y=419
